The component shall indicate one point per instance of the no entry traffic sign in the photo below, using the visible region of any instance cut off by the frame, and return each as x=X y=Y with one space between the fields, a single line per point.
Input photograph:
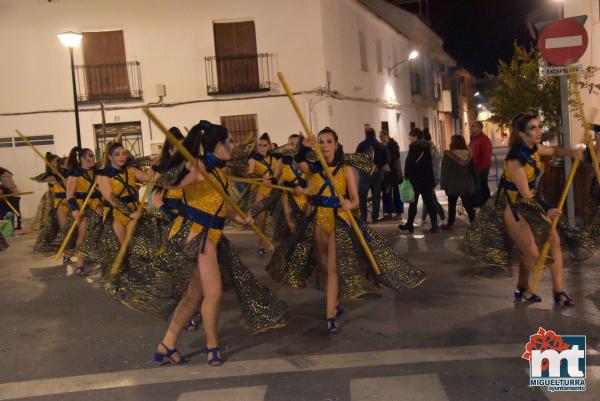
x=563 y=42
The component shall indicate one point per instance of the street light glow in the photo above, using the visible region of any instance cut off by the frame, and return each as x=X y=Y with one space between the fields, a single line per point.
x=413 y=55
x=70 y=39
x=479 y=105
x=477 y=94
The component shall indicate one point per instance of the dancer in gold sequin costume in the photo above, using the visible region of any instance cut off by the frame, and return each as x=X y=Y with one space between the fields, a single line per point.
x=198 y=261
x=53 y=212
x=82 y=175
x=262 y=164
x=118 y=184
x=326 y=232
x=289 y=210
x=518 y=215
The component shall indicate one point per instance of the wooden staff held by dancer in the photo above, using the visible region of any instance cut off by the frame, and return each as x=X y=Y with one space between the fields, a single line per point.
x=321 y=158
x=184 y=152
x=538 y=270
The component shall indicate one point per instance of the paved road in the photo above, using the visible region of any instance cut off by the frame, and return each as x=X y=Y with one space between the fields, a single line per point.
x=455 y=338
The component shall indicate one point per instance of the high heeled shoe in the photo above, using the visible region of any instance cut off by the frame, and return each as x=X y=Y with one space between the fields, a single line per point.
x=216 y=359
x=332 y=327
x=568 y=299
x=520 y=296
x=163 y=359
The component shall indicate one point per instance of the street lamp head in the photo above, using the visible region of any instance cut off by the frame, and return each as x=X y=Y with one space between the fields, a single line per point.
x=479 y=106
x=70 y=39
x=413 y=55
x=476 y=94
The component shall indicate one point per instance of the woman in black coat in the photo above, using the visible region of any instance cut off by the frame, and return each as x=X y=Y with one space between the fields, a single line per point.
x=458 y=179
x=418 y=169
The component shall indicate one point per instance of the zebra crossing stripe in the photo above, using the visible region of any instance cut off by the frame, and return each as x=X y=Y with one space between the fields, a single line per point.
x=417 y=387
x=297 y=364
x=253 y=393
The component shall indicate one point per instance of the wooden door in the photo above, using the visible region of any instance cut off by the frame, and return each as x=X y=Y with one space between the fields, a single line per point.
x=105 y=65
x=236 y=56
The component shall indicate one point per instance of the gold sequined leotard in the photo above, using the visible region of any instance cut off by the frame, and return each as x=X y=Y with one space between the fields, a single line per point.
x=85 y=179
x=172 y=202
x=203 y=206
x=264 y=167
x=291 y=178
x=59 y=193
x=326 y=204
x=533 y=166
x=123 y=186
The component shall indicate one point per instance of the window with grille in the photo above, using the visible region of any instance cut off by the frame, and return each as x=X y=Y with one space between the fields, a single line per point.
x=243 y=128
x=131 y=137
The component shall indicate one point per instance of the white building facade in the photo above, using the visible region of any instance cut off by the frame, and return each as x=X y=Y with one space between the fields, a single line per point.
x=191 y=60
x=591 y=57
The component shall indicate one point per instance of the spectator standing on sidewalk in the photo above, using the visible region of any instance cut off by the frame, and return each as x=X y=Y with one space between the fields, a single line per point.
x=392 y=204
x=481 y=151
x=372 y=182
x=458 y=179
x=436 y=161
x=419 y=171
x=7 y=186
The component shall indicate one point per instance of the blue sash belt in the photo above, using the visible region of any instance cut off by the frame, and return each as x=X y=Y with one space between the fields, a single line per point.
x=325 y=201
x=201 y=217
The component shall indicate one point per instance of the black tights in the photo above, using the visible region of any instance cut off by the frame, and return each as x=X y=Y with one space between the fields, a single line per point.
x=452 y=199
x=427 y=196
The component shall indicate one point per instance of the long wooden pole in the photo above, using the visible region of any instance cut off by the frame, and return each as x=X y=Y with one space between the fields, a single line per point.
x=11 y=207
x=253 y=182
x=538 y=270
x=116 y=266
x=37 y=152
x=76 y=221
x=217 y=187
x=323 y=162
x=15 y=194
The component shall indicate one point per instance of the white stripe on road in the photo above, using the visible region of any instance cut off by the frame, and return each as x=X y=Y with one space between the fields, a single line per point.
x=592 y=390
x=297 y=364
x=254 y=393
x=413 y=387
x=565 y=41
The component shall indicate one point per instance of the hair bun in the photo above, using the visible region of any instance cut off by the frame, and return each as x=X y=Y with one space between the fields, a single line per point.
x=205 y=124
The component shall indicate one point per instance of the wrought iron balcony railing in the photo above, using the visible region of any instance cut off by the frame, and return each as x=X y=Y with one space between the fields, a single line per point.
x=238 y=74
x=109 y=82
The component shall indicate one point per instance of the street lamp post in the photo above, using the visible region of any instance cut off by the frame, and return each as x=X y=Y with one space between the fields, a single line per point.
x=413 y=55
x=71 y=40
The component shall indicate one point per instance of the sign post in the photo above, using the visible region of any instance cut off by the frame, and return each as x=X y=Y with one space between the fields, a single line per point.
x=562 y=43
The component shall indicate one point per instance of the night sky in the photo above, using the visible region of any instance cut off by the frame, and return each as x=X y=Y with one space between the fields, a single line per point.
x=479 y=32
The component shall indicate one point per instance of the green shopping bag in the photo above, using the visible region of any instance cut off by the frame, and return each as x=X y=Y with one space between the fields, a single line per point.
x=6 y=228
x=407 y=193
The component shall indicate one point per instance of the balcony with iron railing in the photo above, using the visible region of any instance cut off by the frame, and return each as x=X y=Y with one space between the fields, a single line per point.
x=239 y=74
x=109 y=82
